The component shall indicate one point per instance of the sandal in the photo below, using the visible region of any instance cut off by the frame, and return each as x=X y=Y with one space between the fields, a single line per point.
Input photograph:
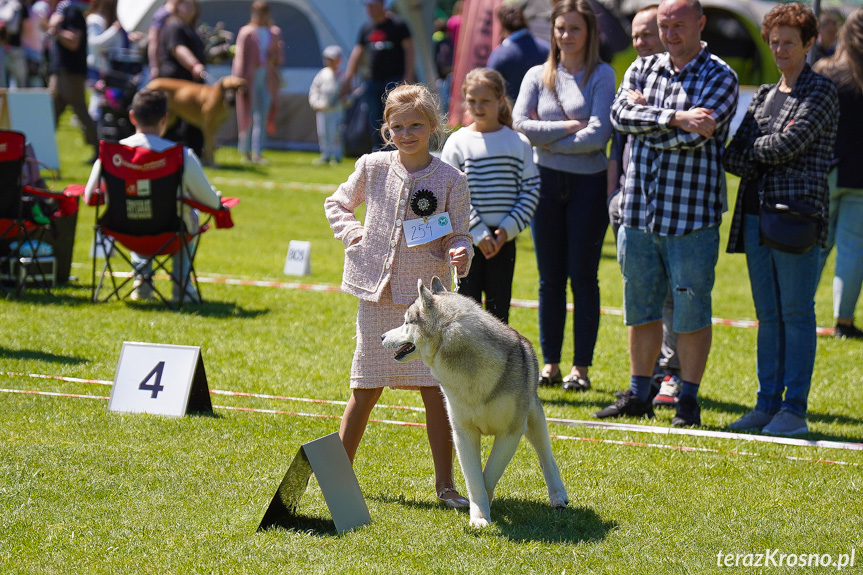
x=573 y=382
x=451 y=498
x=548 y=379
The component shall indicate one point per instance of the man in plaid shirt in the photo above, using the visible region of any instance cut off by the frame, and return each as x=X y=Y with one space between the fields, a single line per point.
x=677 y=107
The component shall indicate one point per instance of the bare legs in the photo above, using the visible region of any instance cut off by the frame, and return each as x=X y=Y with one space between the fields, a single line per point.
x=356 y=417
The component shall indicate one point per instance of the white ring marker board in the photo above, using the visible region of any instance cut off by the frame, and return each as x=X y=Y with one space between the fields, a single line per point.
x=31 y=111
x=160 y=379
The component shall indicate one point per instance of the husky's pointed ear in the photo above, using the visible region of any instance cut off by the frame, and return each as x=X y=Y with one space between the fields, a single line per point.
x=425 y=296
x=437 y=285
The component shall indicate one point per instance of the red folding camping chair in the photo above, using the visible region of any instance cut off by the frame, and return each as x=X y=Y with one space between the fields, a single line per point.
x=140 y=208
x=25 y=218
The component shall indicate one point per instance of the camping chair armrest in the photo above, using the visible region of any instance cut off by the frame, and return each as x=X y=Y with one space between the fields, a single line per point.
x=67 y=204
x=222 y=215
x=76 y=190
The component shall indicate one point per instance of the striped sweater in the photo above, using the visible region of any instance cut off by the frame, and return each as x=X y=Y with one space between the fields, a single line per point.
x=502 y=179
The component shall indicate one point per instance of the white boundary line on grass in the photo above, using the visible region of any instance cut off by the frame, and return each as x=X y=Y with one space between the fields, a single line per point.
x=629 y=427
x=270 y=185
x=415 y=424
x=522 y=303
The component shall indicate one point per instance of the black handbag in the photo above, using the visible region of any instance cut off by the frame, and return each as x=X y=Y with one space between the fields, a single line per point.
x=791 y=226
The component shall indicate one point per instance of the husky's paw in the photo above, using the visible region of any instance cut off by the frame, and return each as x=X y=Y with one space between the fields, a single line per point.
x=479 y=522
x=559 y=500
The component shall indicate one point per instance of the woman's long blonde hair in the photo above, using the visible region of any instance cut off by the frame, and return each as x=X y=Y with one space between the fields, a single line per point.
x=591 y=59
x=845 y=67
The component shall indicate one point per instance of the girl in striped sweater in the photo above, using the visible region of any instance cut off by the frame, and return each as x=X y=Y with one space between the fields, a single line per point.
x=503 y=183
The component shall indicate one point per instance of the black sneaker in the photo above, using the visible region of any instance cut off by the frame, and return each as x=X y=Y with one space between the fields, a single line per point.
x=688 y=412
x=848 y=331
x=628 y=404
x=655 y=384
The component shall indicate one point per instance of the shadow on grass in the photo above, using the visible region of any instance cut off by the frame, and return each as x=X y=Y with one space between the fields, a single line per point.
x=209 y=308
x=316 y=526
x=80 y=295
x=30 y=354
x=521 y=520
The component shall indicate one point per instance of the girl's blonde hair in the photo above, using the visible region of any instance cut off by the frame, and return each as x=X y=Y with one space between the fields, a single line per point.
x=495 y=82
x=415 y=97
x=591 y=59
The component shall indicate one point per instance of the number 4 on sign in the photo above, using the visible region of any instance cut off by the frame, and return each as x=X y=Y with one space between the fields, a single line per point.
x=160 y=379
x=156 y=386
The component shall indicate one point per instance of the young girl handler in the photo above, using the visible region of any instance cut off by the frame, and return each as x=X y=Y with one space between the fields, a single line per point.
x=415 y=226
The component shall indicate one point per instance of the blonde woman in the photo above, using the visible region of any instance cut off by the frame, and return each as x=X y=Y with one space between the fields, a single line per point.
x=563 y=108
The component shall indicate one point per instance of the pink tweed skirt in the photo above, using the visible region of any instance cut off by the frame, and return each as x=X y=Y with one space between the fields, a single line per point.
x=373 y=365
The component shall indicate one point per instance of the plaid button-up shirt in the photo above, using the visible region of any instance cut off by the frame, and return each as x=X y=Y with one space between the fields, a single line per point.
x=791 y=158
x=675 y=182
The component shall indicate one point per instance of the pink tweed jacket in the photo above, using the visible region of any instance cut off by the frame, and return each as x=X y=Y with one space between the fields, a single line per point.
x=376 y=252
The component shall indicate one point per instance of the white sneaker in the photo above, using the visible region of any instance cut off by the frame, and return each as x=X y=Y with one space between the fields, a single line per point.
x=669 y=390
x=786 y=423
x=141 y=291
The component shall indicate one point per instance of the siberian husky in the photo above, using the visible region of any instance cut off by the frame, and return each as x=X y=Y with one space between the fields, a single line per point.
x=487 y=371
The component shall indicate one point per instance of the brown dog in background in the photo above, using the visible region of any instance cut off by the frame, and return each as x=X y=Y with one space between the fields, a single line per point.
x=201 y=105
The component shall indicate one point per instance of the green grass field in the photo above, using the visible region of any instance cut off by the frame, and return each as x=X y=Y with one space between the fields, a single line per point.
x=83 y=490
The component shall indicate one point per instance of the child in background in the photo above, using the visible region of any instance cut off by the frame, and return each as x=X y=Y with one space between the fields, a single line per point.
x=401 y=189
x=504 y=187
x=324 y=98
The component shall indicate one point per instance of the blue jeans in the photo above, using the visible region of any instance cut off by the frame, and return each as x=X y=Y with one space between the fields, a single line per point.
x=568 y=228
x=652 y=264
x=329 y=134
x=253 y=138
x=846 y=232
x=783 y=290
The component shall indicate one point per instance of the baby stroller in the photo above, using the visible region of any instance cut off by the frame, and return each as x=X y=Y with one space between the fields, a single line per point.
x=121 y=81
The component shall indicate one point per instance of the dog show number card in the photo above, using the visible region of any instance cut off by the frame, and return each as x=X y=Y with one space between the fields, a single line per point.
x=160 y=379
x=299 y=260
x=327 y=459
x=424 y=230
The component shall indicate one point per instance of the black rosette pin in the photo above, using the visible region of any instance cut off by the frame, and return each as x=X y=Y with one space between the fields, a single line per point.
x=423 y=203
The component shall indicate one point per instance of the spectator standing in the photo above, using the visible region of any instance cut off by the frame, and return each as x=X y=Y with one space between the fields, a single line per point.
x=563 y=109
x=845 y=69
x=386 y=42
x=666 y=372
x=10 y=36
x=34 y=41
x=104 y=34
x=503 y=183
x=257 y=60
x=829 y=24
x=520 y=50
x=453 y=24
x=325 y=101
x=160 y=16
x=672 y=202
x=67 y=29
x=782 y=152
x=181 y=53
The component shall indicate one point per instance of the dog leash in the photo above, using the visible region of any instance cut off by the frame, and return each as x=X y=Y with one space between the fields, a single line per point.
x=454 y=278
